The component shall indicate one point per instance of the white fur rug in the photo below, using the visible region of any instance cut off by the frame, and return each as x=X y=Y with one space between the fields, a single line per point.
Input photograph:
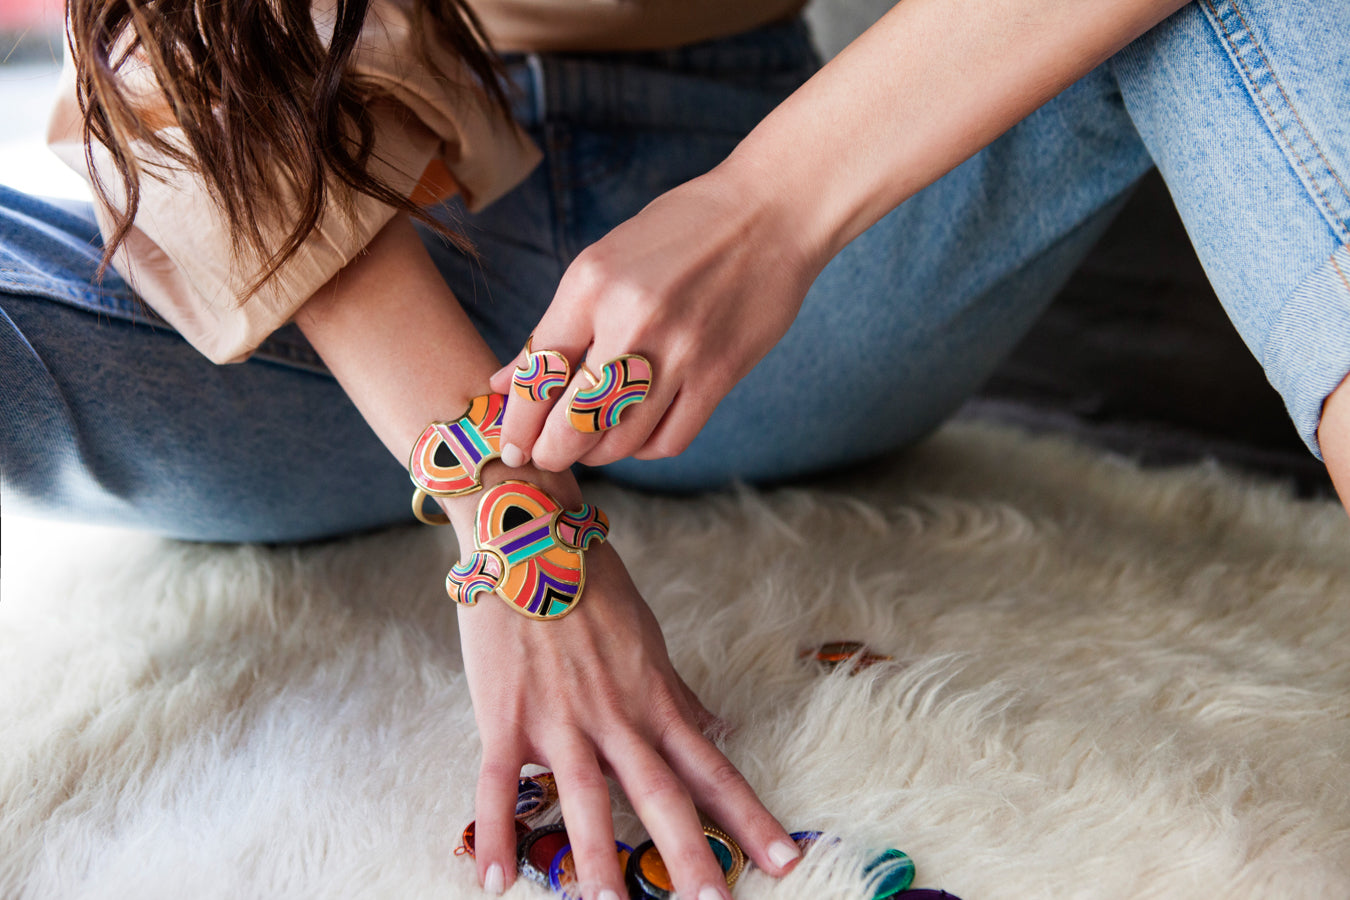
x=1108 y=684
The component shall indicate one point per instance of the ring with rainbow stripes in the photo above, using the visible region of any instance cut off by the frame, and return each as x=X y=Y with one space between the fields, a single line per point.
x=541 y=375
x=622 y=382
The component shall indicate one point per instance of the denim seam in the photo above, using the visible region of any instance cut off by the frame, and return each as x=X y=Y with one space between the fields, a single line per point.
x=1259 y=93
x=1293 y=110
x=1340 y=273
x=111 y=301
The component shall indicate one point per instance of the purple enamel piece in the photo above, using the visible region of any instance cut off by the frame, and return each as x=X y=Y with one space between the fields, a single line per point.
x=925 y=894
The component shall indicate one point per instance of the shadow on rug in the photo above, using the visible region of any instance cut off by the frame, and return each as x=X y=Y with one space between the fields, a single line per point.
x=1107 y=683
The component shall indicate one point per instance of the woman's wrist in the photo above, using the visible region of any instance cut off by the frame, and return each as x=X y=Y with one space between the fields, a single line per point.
x=775 y=217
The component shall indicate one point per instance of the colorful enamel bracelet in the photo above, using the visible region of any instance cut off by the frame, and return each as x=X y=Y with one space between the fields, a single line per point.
x=528 y=550
x=448 y=459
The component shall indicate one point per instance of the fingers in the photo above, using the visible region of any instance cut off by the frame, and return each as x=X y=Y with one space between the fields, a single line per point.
x=494 y=818
x=620 y=403
x=724 y=794
x=543 y=366
x=667 y=810
x=562 y=444
x=713 y=726
x=584 y=795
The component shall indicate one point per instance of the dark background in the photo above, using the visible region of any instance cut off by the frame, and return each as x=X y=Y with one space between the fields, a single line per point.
x=1137 y=355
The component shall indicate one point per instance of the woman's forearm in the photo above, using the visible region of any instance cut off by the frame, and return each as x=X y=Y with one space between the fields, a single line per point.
x=919 y=92
x=394 y=336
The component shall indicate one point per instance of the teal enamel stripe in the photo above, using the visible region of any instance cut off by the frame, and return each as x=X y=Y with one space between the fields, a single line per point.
x=479 y=443
x=542 y=545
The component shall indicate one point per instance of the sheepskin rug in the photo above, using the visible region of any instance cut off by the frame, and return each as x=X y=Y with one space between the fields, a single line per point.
x=1106 y=683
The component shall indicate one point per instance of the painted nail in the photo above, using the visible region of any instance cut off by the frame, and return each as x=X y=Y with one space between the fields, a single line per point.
x=709 y=892
x=782 y=854
x=513 y=456
x=494 y=882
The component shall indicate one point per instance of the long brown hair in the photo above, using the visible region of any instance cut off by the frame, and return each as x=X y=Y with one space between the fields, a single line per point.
x=258 y=97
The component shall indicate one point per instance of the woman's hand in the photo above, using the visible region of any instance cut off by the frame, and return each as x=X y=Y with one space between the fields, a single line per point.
x=709 y=276
x=592 y=693
x=589 y=693
x=703 y=282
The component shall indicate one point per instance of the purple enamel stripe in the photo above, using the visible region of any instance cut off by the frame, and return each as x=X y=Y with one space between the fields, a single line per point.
x=465 y=445
x=542 y=590
x=525 y=539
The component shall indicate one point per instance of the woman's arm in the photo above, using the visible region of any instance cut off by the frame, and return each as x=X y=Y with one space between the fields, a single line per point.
x=1333 y=435
x=708 y=277
x=400 y=345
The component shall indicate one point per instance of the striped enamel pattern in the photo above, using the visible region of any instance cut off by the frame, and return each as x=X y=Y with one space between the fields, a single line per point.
x=539 y=545
x=893 y=871
x=541 y=376
x=535 y=795
x=471 y=578
x=622 y=383
x=448 y=458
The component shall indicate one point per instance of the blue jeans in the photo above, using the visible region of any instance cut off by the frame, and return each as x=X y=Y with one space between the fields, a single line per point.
x=108 y=415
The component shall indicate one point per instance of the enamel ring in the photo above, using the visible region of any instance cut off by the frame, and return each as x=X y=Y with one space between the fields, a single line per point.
x=537 y=850
x=622 y=382
x=541 y=375
x=535 y=795
x=729 y=854
x=562 y=872
x=466 y=841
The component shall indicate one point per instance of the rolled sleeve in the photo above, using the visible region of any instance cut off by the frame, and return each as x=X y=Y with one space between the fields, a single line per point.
x=179 y=255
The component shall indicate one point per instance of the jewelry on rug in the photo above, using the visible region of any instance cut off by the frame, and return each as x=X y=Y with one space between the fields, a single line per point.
x=466 y=839
x=648 y=877
x=729 y=853
x=537 y=851
x=541 y=375
x=805 y=840
x=896 y=873
x=622 y=382
x=544 y=854
x=834 y=654
x=562 y=872
x=535 y=795
x=528 y=550
x=448 y=458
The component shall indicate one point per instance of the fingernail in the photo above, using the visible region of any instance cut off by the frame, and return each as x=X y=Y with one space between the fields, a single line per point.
x=607 y=894
x=513 y=456
x=709 y=892
x=494 y=882
x=782 y=853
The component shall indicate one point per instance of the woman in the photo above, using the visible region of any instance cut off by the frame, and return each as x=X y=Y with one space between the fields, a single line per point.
x=815 y=266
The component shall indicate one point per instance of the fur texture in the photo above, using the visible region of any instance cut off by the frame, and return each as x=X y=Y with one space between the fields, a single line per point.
x=1108 y=683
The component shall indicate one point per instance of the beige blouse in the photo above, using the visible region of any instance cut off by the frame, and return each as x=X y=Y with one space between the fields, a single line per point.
x=438 y=138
